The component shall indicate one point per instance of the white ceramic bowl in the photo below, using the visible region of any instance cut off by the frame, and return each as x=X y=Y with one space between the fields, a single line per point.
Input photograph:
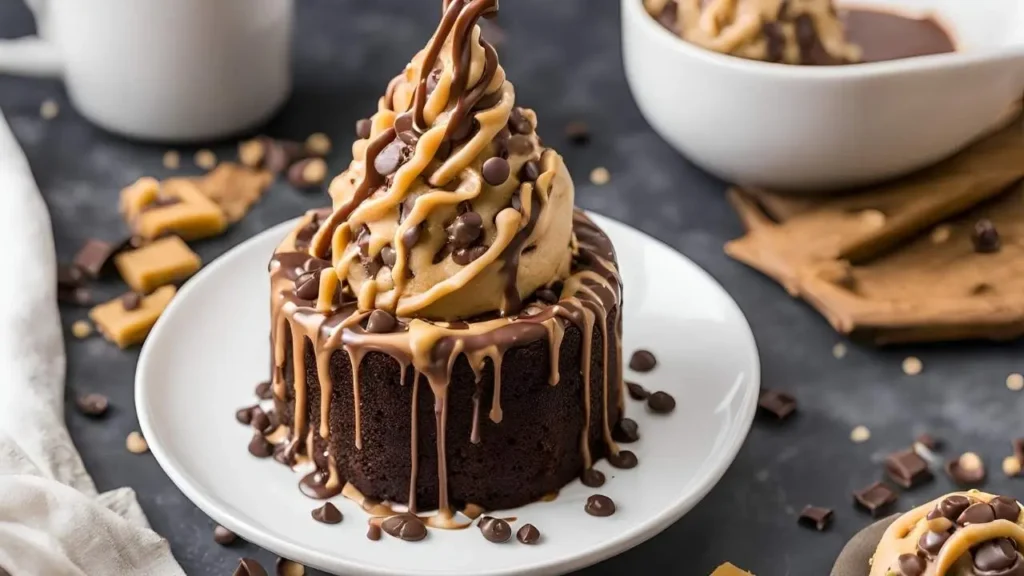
x=823 y=128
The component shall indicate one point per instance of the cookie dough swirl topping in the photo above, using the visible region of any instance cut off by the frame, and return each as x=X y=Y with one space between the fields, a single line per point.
x=451 y=207
x=961 y=534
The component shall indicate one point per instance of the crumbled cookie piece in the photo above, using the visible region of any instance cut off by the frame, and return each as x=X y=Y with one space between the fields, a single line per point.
x=205 y=159
x=1015 y=382
x=235 y=188
x=81 y=329
x=318 y=144
x=600 y=176
x=860 y=434
x=136 y=444
x=176 y=206
x=128 y=327
x=49 y=109
x=912 y=366
x=165 y=261
x=172 y=160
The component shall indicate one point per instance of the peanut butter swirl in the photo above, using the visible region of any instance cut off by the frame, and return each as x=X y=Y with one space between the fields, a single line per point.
x=451 y=207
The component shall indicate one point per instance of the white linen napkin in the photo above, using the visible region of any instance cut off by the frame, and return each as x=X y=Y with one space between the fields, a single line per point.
x=51 y=519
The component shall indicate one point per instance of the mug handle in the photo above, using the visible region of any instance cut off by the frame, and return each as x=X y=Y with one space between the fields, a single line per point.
x=32 y=55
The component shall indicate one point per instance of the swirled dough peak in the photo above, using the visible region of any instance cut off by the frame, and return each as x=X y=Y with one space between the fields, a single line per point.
x=788 y=31
x=451 y=207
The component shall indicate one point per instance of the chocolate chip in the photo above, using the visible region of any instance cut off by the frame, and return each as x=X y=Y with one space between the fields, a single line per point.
x=244 y=415
x=283 y=153
x=967 y=470
x=592 y=477
x=950 y=508
x=637 y=392
x=528 y=534
x=387 y=255
x=69 y=276
x=977 y=513
x=223 y=536
x=907 y=469
x=363 y=128
x=405 y=526
x=380 y=322
x=94 y=405
x=911 y=565
x=518 y=123
x=875 y=498
x=390 y=158
x=661 y=402
x=529 y=172
x=466 y=256
x=249 y=567
x=624 y=460
x=642 y=361
x=998 y=554
x=516 y=202
x=815 y=517
x=307 y=286
x=328 y=514
x=578 y=133
x=411 y=237
x=519 y=146
x=466 y=229
x=626 y=431
x=264 y=391
x=373 y=532
x=931 y=542
x=496 y=171
x=260 y=421
x=307 y=173
x=1005 y=508
x=985 y=237
x=94 y=257
x=131 y=301
x=547 y=295
x=779 y=404
x=404 y=123
x=599 y=505
x=259 y=446
x=495 y=529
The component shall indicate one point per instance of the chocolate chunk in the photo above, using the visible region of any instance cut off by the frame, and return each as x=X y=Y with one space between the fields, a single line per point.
x=998 y=554
x=932 y=542
x=249 y=567
x=223 y=536
x=518 y=123
x=547 y=295
x=496 y=171
x=264 y=391
x=328 y=514
x=94 y=405
x=661 y=402
x=907 y=469
x=466 y=256
x=260 y=421
x=624 y=460
x=405 y=526
x=636 y=391
x=495 y=529
x=259 y=446
x=528 y=534
x=967 y=470
x=977 y=513
x=592 y=478
x=911 y=565
x=69 y=276
x=875 y=498
x=599 y=505
x=363 y=128
x=815 y=517
x=465 y=230
x=75 y=296
x=244 y=415
x=131 y=301
x=626 y=431
x=529 y=172
x=411 y=237
x=307 y=286
x=94 y=257
x=985 y=237
x=381 y=322
x=779 y=404
x=950 y=508
x=519 y=146
x=390 y=158
x=578 y=133
x=642 y=361
x=373 y=532
x=929 y=442
x=1005 y=508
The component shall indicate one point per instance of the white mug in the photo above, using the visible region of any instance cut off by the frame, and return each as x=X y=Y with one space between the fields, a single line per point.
x=167 y=70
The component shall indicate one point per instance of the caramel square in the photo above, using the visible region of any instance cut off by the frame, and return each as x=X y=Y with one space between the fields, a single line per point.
x=176 y=206
x=126 y=327
x=165 y=261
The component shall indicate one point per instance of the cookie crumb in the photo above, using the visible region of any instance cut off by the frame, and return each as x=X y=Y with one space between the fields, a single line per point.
x=941 y=233
x=136 y=444
x=205 y=159
x=49 y=109
x=600 y=176
x=860 y=434
x=81 y=329
x=1011 y=466
x=172 y=160
x=872 y=218
x=318 y=144
x=912 y=366
x=839 y=350
x=1015 y=382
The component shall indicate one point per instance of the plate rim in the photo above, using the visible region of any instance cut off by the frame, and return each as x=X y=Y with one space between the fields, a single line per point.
x=720 y=461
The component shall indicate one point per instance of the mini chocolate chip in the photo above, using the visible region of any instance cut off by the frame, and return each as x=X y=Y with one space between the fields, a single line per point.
x=643 y=361
x=661 y=402
x=264 y=391
x=380 y=322
x=94 y=405
x=249 y=567
x=931 y=542
x=259 y=420
x=911 y=565
x=624 y=460
x=528 y=534
x=599 y=505
x=496 y=171
x=307 y=287
x=259 y=446
x=985 y=237
x=977 y=513
x=1005 y=508
x=466 y=256
x=529 y=172
x=363 y=128
x=387 y=254
x=592 y=477
x=626 y=431
x=390 y=158
x=547 y=295
x=223 y=536
x=495 y=529
x=578 y=133
x=373 y=532
x=244 y=415
x=131 y=301
x=998 y=554
x=466 y=229
x=519 y=123
x=328 y=514
x=637 y=392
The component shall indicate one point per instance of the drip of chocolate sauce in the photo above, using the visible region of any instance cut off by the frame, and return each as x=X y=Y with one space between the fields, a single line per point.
x=885 y=35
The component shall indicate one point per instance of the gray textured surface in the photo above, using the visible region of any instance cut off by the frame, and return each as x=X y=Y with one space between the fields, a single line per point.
x=564 y=58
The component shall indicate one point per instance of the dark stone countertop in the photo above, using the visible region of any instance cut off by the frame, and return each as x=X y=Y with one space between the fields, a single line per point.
x=564 y=58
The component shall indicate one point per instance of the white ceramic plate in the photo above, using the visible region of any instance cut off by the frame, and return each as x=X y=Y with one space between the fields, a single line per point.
x=210 y=348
